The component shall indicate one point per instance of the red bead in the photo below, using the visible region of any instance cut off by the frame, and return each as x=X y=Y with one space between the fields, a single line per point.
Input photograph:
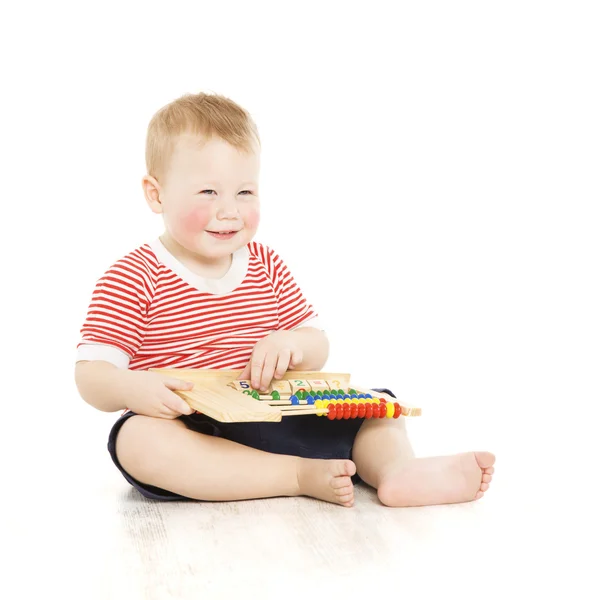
x=361 y=410
x=331 y=413
x=376 y=411
x=347 y=413
x=383 y=410
x=382 y=400
x=353 y=411
x=339 y=411
x=368 y=410
x=397 y=410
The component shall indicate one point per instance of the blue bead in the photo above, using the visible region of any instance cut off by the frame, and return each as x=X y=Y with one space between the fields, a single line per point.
x=346 y=397
x=310 y=399
x=326 y=397
x=368 y=396
x=355 y=396
x=294 y=399
x=340 y=397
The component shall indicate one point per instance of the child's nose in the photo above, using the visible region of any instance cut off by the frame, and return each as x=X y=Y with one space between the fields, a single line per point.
x=227 y=207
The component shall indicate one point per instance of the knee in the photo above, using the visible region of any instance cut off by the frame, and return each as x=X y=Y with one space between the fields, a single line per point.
x=136 y=445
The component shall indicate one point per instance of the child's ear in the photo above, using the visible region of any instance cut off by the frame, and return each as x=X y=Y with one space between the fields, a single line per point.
x=151 y=189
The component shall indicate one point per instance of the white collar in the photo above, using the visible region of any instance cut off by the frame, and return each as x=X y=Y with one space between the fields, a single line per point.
x=226 y=284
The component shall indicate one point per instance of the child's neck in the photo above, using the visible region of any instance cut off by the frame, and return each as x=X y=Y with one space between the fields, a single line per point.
x=209 y=269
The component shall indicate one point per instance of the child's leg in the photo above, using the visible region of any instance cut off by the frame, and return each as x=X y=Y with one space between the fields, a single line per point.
x=166 y=454
x=385 y=460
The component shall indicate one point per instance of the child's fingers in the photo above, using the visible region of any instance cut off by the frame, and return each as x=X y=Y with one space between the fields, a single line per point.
x=268 y=370
x=177 y=405
x=177 y=384
x=296 y=357
x=283 y=362
x=245 y=374
x=256 y=367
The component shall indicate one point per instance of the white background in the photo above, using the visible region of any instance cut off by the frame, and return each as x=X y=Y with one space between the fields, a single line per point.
x=429 y=174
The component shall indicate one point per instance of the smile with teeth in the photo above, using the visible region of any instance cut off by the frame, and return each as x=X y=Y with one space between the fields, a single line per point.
x=222 y=234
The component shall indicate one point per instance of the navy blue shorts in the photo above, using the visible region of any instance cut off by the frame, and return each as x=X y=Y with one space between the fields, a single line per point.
x=305 y=436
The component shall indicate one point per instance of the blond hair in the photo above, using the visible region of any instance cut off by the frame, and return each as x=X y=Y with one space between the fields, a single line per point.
x=205 y=115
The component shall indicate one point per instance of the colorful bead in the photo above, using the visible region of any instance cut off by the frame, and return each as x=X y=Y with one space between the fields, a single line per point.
x=339 y=411
x=375 y=411
x=397 y=410
x=352 y=391
x=353 y=411
x=368 y=410
x=390 y=410
x=275 y=395
x=310 y=399
x=361 y=410
x=331 y=414
x=294 y=399
x=255 y=394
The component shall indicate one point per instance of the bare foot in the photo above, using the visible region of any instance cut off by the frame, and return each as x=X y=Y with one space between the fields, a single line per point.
x=327 y=480
x=437 y=480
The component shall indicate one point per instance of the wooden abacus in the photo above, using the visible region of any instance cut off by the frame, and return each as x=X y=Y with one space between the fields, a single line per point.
x=223 y=397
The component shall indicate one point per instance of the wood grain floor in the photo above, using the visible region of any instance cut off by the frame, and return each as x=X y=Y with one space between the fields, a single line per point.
x=75 y=528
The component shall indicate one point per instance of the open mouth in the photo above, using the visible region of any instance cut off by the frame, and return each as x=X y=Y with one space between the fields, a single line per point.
x=222 y=235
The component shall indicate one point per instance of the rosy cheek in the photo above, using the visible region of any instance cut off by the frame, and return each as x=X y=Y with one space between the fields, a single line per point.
x=252 y=218
x=193 y=222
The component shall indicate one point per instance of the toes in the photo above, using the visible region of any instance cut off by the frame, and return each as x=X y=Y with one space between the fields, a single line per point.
x=489 y=471
x=340 y=482
x=348 y=489
x=349 y=468
x=484 y=487
x=478 y=495
x=485 y=459
x=486 y=478
x=347 y=498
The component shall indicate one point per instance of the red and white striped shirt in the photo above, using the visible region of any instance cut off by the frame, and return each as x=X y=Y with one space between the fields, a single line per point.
x=150 y=311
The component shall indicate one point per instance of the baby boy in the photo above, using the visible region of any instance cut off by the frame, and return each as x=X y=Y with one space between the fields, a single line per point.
x=206 y=295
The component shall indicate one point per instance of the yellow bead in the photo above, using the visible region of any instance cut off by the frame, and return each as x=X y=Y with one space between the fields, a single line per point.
x=354 y=401
x=319 y=404
x=390 y=410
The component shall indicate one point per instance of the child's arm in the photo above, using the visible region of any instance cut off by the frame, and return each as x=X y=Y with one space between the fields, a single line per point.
x=102 y=385
x=108 y=388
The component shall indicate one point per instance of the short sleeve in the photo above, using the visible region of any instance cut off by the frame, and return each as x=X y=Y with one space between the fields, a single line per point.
x=293 y=308
x=118 y=311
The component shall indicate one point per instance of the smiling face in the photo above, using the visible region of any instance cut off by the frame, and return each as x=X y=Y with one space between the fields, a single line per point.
x=208 y=199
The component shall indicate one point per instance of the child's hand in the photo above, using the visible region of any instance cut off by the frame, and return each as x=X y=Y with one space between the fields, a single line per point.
x=272 y=356
x=150 y=394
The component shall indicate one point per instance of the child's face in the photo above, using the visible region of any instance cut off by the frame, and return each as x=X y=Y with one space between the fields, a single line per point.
x=209 y=198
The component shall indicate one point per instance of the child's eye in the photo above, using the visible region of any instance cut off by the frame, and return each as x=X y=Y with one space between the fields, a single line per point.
x=245 y=192
x=207 y=191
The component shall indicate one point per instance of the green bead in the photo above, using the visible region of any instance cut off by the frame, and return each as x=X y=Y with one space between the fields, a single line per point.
x=352 y=391
x=275 y=395
x=255 y=394
x=319 y=393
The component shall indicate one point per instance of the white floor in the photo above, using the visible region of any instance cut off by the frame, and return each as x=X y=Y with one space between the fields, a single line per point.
x=75 y=528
